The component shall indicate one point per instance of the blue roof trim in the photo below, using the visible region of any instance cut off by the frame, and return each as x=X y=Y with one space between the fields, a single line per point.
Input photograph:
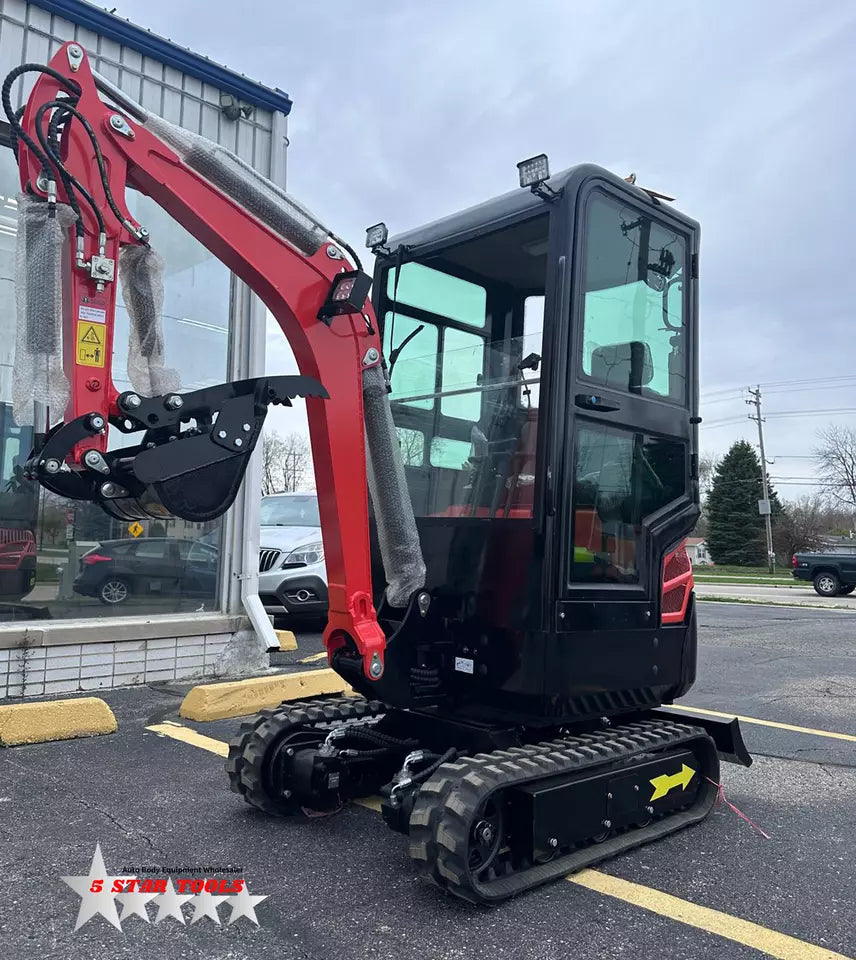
x=151 y=45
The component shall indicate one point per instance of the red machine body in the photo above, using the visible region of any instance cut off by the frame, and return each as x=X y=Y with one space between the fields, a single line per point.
x=292 y=286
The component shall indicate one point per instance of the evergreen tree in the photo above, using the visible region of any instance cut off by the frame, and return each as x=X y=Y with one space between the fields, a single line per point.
x=735 y=528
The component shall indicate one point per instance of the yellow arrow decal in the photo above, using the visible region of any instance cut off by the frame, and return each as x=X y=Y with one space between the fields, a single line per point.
x=666 y=782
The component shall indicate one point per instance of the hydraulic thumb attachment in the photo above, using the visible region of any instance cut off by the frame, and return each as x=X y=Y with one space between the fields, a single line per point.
x=190 y=460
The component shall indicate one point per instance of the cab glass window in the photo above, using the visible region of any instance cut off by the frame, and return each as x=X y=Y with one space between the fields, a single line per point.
x=462 y=337
x=620 y=478
x=634 y=335
x=438 y=292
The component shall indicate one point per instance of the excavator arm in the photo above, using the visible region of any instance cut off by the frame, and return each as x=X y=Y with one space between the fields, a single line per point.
x=77 y=156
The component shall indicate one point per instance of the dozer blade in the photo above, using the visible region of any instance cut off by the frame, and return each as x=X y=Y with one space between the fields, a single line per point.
x=191 y=459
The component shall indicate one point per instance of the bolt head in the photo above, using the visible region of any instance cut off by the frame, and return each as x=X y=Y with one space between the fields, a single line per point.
x=553 y=842
x=132 y=401
x=649 y=810
x=97 y=422
x=108 y=489
x=92 y=456
x=607 y=824
x=221 y=434
x=239 y=442
x=116 y=121
x=246 y=428
x=52 y=466
x=144 y=231
x=173 y=402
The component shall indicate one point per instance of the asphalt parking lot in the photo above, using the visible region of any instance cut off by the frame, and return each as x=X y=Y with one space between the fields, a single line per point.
x=343 y=886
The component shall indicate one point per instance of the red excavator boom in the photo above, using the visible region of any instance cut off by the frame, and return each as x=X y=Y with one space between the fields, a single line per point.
x=72 y=144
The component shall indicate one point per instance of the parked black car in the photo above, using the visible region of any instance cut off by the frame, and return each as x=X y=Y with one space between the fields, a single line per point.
x=118 y=569
x=833 y=574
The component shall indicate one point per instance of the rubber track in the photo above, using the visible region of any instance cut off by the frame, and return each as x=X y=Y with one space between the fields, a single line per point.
x=447 y=802
x=245 y=760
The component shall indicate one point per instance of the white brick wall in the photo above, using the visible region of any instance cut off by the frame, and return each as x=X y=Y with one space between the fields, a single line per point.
x=67 y=668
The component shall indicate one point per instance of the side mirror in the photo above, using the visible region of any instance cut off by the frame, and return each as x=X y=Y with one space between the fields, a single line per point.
x=673 y=309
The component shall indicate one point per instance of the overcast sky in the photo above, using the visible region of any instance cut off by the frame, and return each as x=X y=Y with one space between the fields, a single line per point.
x=744 y=111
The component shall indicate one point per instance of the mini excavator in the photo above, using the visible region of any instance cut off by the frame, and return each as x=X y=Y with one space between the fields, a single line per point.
x=503 y=424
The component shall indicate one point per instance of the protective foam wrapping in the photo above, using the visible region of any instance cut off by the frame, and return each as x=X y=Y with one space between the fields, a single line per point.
x=41 y=244
x=141 y=272
x=263 y=199
x=396 y=525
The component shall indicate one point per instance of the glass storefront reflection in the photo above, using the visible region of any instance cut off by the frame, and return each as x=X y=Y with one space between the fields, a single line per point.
x=61 y=558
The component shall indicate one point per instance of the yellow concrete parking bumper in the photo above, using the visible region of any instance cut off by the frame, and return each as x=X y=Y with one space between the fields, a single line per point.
x=54 y=720
x=287 y=640
x=236 y=698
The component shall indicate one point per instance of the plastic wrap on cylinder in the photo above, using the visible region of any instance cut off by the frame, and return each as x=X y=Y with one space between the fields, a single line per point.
x=396 y=525
x=256 y=194
x=141 y=272
x=38 y=374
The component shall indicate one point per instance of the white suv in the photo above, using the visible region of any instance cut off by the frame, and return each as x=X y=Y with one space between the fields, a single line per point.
x=292 y=574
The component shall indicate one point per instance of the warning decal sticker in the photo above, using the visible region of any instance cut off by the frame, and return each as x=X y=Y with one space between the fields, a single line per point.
x=91 y=338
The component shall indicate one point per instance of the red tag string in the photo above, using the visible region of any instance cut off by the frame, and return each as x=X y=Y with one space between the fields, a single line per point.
x=316 y=814
x=720 y=795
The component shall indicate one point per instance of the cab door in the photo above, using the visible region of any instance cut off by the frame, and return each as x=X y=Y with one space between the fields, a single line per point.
x=630 y=439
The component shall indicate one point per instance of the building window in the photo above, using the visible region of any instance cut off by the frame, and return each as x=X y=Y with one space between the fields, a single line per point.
x=62 y=558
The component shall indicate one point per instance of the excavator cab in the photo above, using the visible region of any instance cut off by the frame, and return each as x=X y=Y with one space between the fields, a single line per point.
x=542 y=349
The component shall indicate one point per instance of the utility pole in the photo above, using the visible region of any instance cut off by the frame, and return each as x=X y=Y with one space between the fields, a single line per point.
x=765 y=510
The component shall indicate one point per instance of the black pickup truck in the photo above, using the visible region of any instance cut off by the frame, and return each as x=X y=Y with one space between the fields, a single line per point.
x=833 y=574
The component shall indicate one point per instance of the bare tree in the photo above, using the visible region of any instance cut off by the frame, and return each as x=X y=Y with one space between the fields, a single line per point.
x=801 y=526
x=835 y=459
x=707 y=464
x=286 y=462
x=412 y=444
x=271 y=457
x=296 y=461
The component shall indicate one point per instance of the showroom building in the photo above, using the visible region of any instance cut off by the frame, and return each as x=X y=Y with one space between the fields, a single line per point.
x=184 y=615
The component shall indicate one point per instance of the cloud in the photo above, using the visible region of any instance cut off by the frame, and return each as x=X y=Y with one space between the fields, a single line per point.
x=409 y=111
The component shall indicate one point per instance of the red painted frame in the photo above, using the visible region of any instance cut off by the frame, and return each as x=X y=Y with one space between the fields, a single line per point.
x=293 y=287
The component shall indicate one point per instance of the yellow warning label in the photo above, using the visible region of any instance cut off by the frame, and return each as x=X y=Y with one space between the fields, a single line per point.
x=135 y=528
x=665 y=782
x=91 y=338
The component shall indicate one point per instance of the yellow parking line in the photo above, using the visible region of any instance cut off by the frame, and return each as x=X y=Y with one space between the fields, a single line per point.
x=771 y=723
x=314 y=658
x=186 y=735
x=770 y=942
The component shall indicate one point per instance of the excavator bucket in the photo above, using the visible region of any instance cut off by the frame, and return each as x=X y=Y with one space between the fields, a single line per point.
x=191 y=457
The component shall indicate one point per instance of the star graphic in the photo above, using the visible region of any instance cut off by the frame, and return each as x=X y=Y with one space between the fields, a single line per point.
x=205 y=905
x=169 y=903
x=102 y=900
x=134 y=904
x=243 y=904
